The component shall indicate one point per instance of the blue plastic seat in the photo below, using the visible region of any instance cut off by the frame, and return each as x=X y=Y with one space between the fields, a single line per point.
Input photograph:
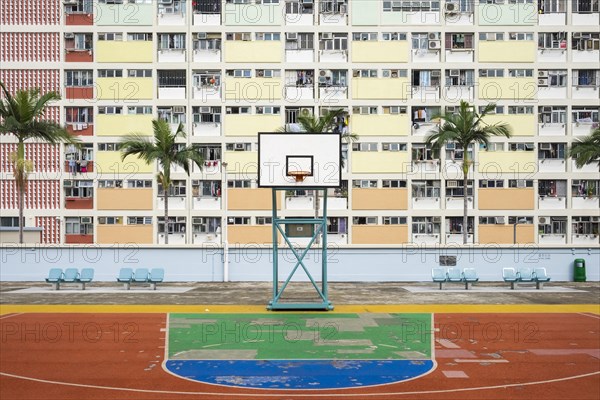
x=439 y=275
x=454 y=275
x=125 y=277
x=470 y=276
x=510 y=275
x=86 y=276
x=540 y=276
x=55 y=277
x=157 y=275
x=71 y=275
x=525 y=274
x=140 y=275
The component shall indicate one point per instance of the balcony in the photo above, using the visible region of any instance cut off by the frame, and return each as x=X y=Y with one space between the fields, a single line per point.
x=78 y=47
x=254 y=14
x=207 y=12
x=172 y=12
x=521 y=14
x=79 y=12
x=299 y=12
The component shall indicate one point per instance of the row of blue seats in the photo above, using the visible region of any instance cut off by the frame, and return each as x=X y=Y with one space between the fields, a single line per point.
x=525 y=275
x=468 y=276
x=56 y=276
x=141 y=275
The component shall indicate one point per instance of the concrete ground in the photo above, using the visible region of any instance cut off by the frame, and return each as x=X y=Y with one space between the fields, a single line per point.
x=340 y=293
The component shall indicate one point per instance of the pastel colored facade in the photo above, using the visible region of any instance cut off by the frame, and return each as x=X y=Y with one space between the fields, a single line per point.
x=507 y=88
x=384 y=162
x=242 y=234
x=380 y=52
x=124 y=234
x=253 y=15
x=493 y=162
x=380 y=88
x=129 y=89
x=110 y=165
x=507 y=51
x=121 y=52
x=121 y=125
x=125 y=14
x=504 y=234
x=124 y=199
x=381 y=125
x=387 y=234
x=379 y=199
x=521 y=125
x=241 y=161
x=252 y=90
x=497 y=199
x=253 y=51
x=250 y=125
x=250 y=199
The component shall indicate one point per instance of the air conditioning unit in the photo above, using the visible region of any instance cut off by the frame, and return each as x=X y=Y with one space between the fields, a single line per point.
x=435 y=45
x=86 y=220
x=291 y=36
x=385 y=146
x=491 y=37
x=201 y=35
x=543 y=82
x=433 y=36
x=69 y=35
x=165 y=1
x=386 y=73
x=178 y=110
x=542 y=220
x=454 y=72
x=436 y=73
x=546 y=109
x=325 y=73
x=451 y=184
x=327 y=35
x=576 y=35
x=450 y=7
x=542 y=74
x=499 y=220
x=239 y=146
x=545 y=146
x=437 y=220
x=260 y=73
x=204 y=110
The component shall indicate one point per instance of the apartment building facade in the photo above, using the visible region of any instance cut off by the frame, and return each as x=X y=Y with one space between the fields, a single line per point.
x=229 y=69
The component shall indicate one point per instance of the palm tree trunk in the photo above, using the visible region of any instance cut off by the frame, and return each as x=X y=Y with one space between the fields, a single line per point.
x=166 y=216
x=465 y=168
x=21 y=185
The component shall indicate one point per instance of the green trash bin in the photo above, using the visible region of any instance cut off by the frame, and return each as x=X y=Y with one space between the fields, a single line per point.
x=579 y=270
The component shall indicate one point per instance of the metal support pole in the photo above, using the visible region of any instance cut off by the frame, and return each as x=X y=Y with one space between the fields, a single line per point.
x=224 y=232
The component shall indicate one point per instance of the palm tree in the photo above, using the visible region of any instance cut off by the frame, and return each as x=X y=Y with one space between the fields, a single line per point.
x=466 y=128
x=586 y=150
x=167 y=152
x=327 y=122
x=22 y=115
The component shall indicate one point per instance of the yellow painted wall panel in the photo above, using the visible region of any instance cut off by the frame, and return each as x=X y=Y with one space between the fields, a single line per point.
x=124 y=199
x=141 y=234
x=124 y=89
x=507 y=88
x=245 y=162
x=252 y=89
x=259 y=51
x=364 y=162
x=129 y=52
x=522 y=125
x=250 y=234
x=250 y=199
x=250 y=124
x=379 y=199
x=110 y=165
x=506 y=199
x=380 y=125
x=380 y=88
x=384 y=52
x=492 y=162
x=507 y=51
x=503 y=234
x=379 y=234
x=124 y=124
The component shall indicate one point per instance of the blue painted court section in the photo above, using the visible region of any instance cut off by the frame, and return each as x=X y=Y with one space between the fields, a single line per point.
x=299 y=374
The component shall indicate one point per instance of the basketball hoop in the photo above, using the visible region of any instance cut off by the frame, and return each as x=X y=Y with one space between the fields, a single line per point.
x=299 y=175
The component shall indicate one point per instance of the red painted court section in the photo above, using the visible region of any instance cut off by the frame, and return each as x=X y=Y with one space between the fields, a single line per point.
x=479 y=356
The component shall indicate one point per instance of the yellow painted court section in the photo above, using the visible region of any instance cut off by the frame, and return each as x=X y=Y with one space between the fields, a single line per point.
x=378 y=308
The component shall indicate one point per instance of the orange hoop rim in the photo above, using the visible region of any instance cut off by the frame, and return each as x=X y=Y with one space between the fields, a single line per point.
x=299 y=175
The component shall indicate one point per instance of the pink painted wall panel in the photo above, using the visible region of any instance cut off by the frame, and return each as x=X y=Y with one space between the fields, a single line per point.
x=30 y=46
x=40 y=194
x=44 y=157
x=30 y=12
x=47 y=80
x=51 y=226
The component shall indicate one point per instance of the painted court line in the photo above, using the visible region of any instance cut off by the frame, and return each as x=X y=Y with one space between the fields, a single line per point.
x=9 y=315
x=590 y=315
x=314 y=395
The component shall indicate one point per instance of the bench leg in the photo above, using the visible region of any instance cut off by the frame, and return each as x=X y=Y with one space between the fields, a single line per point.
x=127 y=285
x=441 y=285
x=539 y=285
x=82 y=285
x=153 y=286
x=467 y=285
x=512 y=286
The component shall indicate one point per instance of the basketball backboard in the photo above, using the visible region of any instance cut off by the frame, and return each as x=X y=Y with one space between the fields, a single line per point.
x=299 y=160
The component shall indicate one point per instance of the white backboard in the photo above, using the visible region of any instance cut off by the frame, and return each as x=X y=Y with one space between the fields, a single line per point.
x=317 y=154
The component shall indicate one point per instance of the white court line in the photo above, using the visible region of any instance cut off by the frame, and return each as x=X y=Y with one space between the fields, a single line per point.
x=468 y=360
x=10 y=315
x=317 y=395
x=589 y=315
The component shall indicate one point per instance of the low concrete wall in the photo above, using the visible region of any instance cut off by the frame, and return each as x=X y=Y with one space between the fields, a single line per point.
x=254 y=263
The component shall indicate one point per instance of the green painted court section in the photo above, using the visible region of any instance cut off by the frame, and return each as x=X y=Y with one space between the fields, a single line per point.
x=300 y=336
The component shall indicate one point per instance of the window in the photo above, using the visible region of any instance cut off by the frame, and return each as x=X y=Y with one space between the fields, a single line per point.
x=585 y=188
x=552 y=78
x=585 y=225
x=394 y=73
x=238 y=220
x=520 y=147
x=364 y=220
x=205 y=188
x=520 y=220
x=109 y=146
x=459 y=41
x=172 y=115
x=552 y=115
x=79 y=7
x=333 y=6
x=268 y=73
x=393 y=36
x=337 y=225
x=78 y=41
x=491 y=220
x=423 y=152
x=454 y=188
x=364 y=146
x=552 y=6
x=270 y=110
x=491 y=183
x=454 y=225
x=520 y=73
x=240 y=184
x=244 y=36
x=460 y=77
x=586 y=77
x=211 y=42
x=110 y=73
x=333 y=42
x=78 y=188
x=207 y=6
x=206 y=224
x=139 y=183
x=527 y=110
x=171 y=41
x=74 y=115
x=491 y=73
x=171 y=78
x=585 y=115
x=492 y=147
x=364 y=36
x=420 y=41
x=552 y=188
x=585 y=6
x=10 y=222
x=394 y=220
x=455 y=152
x=139 y=110
x=490 y=36
x=139 y=37
x=364 y=73
x=110 y=183
x=237 y=110
x=364 y=183
x=79 y=225
x=425 y=189
x=411 y=6
x=299 y=7
x=394 y=109
x=336 y=77
x=110 y=220
x=264 y=220
x=177 y=189
x=552 y=225
x=268 y=36
x=79 y=78
x=303 y=41
x=110 y=36
x=239 y=73
x=207 y=115
x=393 y=183
x=553 y=151
x=365 y=110
x=207 y=79
x=139 y=73
x=552 y=41
x=425 y=225
x=520 y=36
x=139 y=220
x=520 y=183
x=585 y=41
x=113 y=110
x=387 y=146
x=497 y=110
x=175 y=225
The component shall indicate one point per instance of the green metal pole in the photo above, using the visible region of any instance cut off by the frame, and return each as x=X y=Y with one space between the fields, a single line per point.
x=324 y=249
x=275 y=248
